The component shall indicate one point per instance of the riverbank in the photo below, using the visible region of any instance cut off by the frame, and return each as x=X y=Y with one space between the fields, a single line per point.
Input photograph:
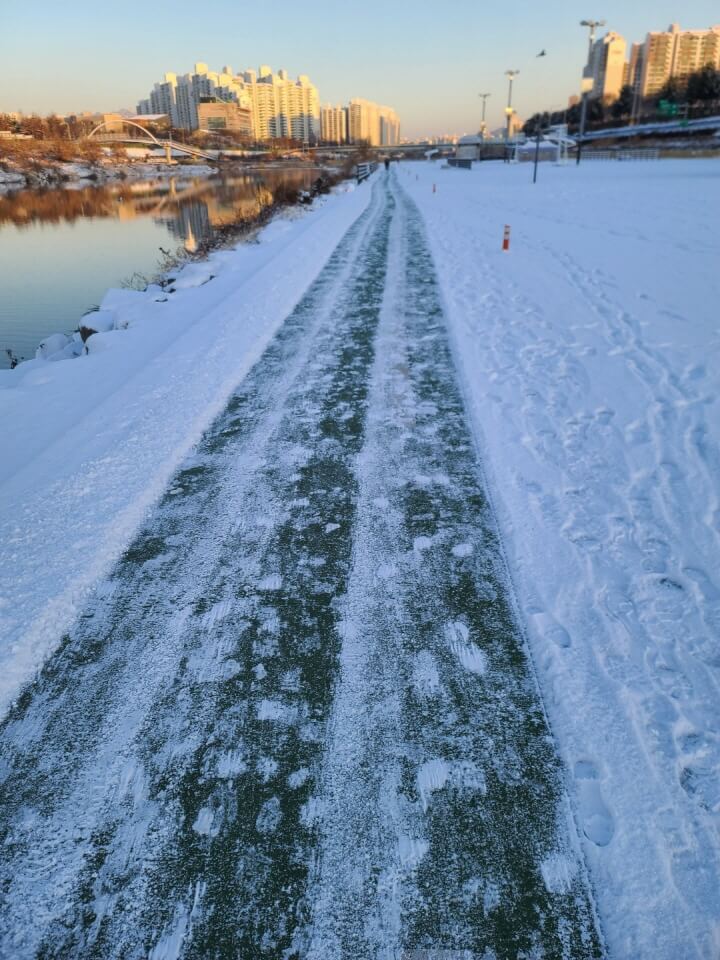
x=89 y=445
x=64 y=247
x=14 y=176
x=39 y=164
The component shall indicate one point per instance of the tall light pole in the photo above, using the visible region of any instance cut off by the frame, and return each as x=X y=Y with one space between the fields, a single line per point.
x=592 y=25
x=510 y=74
x=483 y=97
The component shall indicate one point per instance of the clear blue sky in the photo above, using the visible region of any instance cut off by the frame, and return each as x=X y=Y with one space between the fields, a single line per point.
x=427 y=59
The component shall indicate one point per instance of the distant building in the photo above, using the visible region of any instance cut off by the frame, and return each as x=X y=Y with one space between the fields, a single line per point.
x=372 y=123
x=516 y=125
x=334 y=124
x=606 y=67
x=279 y=107
x=665 y=55
x=282 y=108
x=674 y=54
x=215 y=114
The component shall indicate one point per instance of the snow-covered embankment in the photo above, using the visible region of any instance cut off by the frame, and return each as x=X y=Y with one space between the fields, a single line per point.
x=89 y=444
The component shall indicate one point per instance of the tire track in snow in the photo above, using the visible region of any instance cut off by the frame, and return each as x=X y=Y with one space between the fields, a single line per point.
x=445 y=827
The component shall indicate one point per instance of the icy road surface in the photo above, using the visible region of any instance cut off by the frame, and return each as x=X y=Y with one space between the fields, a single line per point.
x=299 y=719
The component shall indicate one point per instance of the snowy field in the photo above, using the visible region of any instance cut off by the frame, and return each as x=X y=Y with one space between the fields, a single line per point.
x=333 y=528
x=590 y=355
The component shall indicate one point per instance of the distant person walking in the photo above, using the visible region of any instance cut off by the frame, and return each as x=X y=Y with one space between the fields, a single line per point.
x=387 y=163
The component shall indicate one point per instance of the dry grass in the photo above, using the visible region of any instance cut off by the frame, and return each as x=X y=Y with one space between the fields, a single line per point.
x=35 y=154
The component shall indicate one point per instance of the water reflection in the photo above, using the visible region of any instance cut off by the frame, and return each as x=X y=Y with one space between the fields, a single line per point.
x=60 y=249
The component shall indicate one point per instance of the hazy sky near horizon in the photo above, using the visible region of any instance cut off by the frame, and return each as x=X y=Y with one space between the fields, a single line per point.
x=427 y=58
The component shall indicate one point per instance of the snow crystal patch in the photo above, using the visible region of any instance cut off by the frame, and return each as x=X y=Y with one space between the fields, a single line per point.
x=231 y=764
x=269 y=816
x=558 y=872
x=259 y=671
x=217 y=612
x=411 y=850
x=271 y=582
x=203 y=822
x=267 y=767
x=382 y=503
x=331 y=527
x=298 y=778
x=170 y=943
x=230 y=668
x=276 y=711
x=420 y=544
x=468 y=653
x=491 y=898
x=311 y=812
x=462 y=550
x=271 y=623
x=432 y=776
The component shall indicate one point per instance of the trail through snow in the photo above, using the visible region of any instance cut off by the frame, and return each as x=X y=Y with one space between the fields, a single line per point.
x=298 y=718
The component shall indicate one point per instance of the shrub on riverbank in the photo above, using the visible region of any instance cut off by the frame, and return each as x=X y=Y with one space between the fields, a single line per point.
x=28 y=155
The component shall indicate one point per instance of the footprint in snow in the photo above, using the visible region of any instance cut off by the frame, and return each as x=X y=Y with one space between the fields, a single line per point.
x=596 y=819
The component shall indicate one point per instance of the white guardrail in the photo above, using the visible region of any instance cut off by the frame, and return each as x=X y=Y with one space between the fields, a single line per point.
x=620 y=154
x=363 y=171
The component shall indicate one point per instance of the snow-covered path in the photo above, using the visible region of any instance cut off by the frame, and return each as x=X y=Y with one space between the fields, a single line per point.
x=298 y=718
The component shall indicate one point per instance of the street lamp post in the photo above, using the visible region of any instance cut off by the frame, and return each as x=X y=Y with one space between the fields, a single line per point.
x=483 y=97
x=510 y=74
x=592 y=26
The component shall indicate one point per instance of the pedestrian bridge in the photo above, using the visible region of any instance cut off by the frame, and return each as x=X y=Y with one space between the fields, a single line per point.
x=105 y=133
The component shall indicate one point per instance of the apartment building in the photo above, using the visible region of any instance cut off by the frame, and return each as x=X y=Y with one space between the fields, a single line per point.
x=278 y=106
x=334 y=124
x=372 y=123
x=675 y=54
x=215 y=114
x=283 y=107
x=606 y=66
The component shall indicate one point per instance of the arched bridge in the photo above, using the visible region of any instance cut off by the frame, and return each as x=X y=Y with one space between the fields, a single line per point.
x=146 y=138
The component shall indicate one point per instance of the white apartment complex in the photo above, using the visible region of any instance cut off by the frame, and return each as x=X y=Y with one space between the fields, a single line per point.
x=280 y=107
x=607 y=67
x=283 y=107
x=675 y=54
x=372 y=123
x=334 y=124
x=663 y=55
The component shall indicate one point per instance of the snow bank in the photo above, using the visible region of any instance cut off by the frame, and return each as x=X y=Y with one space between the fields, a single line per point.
x=591 y=362
x=89 y=445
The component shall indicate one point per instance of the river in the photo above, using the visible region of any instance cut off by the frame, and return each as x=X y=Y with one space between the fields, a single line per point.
x=61 y=249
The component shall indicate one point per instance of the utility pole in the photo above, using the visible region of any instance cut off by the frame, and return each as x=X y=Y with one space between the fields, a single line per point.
x=483 y=97
x=510 y=74
x=592 y=26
